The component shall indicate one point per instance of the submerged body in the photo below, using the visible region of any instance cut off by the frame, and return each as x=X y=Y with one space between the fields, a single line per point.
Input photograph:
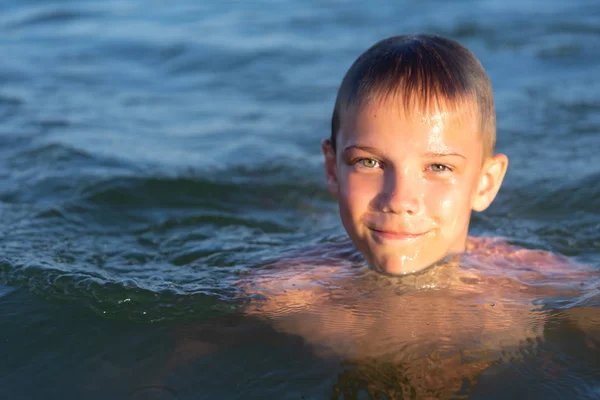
x=434 y=330
x=434 y=334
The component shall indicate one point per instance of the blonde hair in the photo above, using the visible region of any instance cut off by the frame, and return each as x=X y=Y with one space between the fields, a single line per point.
x=423 y=71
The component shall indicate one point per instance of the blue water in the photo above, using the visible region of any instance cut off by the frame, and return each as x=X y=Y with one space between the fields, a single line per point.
x=155 y=154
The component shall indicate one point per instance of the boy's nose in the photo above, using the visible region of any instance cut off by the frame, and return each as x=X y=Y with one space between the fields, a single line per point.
x=402 y=194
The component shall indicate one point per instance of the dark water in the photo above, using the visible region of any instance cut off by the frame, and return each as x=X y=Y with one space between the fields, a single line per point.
x=155 y=154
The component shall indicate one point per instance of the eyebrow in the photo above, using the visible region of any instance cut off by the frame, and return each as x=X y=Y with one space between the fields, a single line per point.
x=371 y=150
x=377 y=152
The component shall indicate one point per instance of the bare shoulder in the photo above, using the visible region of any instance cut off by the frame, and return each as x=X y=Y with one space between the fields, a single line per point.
x=497 y=251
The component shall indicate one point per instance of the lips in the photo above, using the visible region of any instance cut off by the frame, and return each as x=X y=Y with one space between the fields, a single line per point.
x=396 y=228
x=397 y=235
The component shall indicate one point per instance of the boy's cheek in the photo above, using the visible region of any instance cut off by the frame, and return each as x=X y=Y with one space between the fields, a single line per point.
x=351 y=213
x=449 y=202
x=452 y=212
x=357 y=194
x=363 y=185
x=351 y=210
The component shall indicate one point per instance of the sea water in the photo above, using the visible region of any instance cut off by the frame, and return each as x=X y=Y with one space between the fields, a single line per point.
x=162 y=182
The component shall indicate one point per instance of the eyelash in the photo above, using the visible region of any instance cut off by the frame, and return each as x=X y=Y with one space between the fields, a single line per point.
x=360 y=160
x=444 y=167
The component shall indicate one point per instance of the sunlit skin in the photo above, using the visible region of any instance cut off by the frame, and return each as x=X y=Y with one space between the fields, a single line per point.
x=407 y=183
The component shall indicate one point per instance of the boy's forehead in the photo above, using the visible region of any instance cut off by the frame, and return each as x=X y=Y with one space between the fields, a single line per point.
x=389 y=125
x=437 y=117
x=463 y=111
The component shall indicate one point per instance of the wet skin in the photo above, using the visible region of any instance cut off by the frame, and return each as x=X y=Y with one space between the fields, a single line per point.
x=407 y=183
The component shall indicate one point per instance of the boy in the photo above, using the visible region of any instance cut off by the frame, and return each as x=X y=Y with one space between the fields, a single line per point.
x=411 y=151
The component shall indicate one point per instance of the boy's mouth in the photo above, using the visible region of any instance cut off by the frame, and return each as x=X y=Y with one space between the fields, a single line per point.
x=397 y=235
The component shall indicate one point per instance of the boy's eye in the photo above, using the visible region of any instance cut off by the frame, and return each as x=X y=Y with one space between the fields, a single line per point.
x=439 y=168
x=368 y=162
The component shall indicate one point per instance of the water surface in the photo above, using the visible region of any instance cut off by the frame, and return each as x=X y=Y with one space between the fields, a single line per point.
x=159 y=160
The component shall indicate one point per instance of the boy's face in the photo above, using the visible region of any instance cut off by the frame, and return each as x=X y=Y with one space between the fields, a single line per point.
x=406 y=185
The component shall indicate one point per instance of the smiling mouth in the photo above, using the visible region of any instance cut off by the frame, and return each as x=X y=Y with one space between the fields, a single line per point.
x=400 y=236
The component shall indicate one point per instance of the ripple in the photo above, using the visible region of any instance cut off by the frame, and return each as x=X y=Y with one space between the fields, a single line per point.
x=575 y=28
x=10 y=106
x=581 y=194
x=165 y=172
x=46 y=16
x=5 y=291
x=153 y=393
x=144 y=300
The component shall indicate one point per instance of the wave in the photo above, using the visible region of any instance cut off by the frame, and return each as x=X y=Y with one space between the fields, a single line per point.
x=149 y=300
x=37 y=16
x=144 y=244
x=549 y=199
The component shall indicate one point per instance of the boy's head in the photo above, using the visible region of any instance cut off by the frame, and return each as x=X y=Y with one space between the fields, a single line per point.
x=411 y=150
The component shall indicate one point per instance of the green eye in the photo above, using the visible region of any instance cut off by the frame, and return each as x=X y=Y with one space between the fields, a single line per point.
x=368 y=163
x=439 y=168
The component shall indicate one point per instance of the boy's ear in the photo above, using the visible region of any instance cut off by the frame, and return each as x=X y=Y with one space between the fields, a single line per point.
x=330 y=167
x=490 y=180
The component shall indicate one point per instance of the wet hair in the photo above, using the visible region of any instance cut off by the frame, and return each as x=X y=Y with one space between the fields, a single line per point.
x=422 y=72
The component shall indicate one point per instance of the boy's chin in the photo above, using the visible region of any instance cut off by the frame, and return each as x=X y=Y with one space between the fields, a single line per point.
x=400 y=265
